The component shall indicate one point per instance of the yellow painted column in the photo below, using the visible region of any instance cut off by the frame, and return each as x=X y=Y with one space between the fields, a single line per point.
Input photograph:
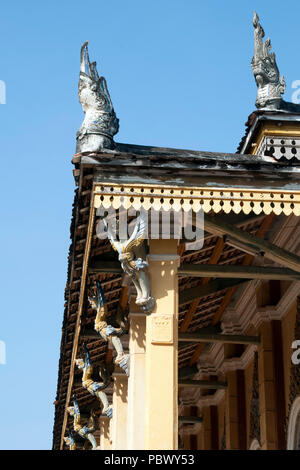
x=161 y=412
x=119 y=419
x=136 y=380
x=104 y=423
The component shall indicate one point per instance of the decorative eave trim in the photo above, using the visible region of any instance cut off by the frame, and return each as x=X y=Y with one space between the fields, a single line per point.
x=162 y=197
x=291 y=119
x=271 y=128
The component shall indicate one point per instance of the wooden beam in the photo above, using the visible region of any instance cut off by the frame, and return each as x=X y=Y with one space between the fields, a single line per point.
x=113 y=267
x=214 y=258
x=204 y=290
x=187 y=371
x=261 y=233
x=219 y=226
x=240 y=272
x=89 y=333
x=190 y=419
x=199 y=337
x=207 y=384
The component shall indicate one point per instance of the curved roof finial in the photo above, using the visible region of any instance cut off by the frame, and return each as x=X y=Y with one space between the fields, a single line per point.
x=100 y=123
x=270 y=86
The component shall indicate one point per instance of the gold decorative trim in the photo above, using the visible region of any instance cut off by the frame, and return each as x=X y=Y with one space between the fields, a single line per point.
x=196 y=198
x=286 y=130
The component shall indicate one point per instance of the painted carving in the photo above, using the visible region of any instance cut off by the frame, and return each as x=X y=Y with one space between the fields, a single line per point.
x=84 y=431
x=108 y=332
x=270 y=86
x=70 y=441
x=95 y=388
x=133 y=265
x=100 y=123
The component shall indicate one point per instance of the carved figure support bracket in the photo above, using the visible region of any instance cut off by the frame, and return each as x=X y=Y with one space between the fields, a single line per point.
x=133 y=265
x=108 y=332
x=95 y=388
x=84 y=431
x=70 y=441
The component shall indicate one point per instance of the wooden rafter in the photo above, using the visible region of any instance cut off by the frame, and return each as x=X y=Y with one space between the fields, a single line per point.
x=190 y=419
x=261 y=233
x=208 y=288
x=217 y=338
x=252 y=242
x=207 y=384
x=215 y=256
x=240 y=272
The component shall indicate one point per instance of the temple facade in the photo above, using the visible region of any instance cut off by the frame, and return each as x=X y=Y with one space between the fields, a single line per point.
x=181 y=326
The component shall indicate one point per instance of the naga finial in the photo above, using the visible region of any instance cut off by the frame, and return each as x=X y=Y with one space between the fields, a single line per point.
x=108 y=332
x=270 y=86
x=84 y=431
x=95 y=388
x=100 y=123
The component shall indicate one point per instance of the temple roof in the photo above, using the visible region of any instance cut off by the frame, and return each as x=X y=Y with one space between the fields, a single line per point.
x=164 y=165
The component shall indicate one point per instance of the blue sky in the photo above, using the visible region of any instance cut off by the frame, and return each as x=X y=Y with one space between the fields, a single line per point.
x=179 y=76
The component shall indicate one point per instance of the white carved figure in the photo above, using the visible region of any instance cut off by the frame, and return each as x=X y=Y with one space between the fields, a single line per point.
x=132 y=265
